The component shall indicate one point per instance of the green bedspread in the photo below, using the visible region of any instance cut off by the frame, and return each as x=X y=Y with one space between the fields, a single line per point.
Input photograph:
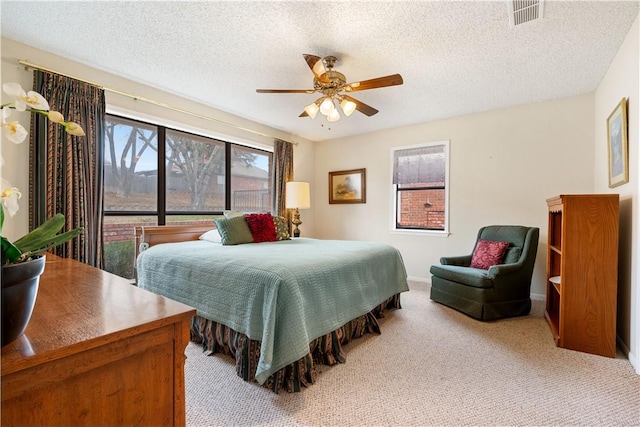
x=283 y=293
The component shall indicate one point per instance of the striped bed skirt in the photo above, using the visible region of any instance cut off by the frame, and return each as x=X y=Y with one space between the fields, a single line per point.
x=325 y=350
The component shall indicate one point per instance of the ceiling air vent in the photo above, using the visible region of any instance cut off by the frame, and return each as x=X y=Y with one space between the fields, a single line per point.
x=523 y=11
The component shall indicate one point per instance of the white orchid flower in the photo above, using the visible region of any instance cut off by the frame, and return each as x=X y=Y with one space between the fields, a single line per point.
x=14 y=132
x=15 y=91
x=73 y=128
x=9 y=197
x=6 y=112
x=23 y=100
x=35 y=103
x=55 y=117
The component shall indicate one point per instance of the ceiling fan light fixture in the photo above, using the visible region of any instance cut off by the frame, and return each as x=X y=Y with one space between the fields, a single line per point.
x=326 y=107
x=334 y=116
x=348 y=107
x=332 y=86
x=312 y=109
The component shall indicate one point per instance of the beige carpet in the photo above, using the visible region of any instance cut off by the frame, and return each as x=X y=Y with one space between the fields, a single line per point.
x=431 y=366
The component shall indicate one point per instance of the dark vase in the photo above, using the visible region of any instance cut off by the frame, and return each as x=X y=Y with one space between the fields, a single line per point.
x=19 y=290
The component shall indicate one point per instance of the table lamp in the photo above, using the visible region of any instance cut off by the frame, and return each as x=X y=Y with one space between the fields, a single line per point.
x=297 y=197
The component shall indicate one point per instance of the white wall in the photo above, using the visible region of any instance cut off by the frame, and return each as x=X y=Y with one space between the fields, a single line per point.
x=504 y=164
x=15 y=168
x=621 y=81
x=16 y=157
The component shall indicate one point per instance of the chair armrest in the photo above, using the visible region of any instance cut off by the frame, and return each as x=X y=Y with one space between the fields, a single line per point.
x=462 y=261
x=503 y=269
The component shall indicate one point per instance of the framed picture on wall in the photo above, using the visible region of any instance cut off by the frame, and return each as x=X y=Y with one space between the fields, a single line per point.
x=618 y=145
x=347 y=186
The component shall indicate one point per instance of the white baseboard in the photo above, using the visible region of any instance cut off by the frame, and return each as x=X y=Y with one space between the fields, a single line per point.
x=622 y=346
x=634 y=362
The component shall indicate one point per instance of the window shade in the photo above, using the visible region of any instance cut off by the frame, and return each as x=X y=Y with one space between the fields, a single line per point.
x=423 y=165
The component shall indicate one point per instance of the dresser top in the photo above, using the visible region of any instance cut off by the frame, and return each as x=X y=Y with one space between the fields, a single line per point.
x=81 y=307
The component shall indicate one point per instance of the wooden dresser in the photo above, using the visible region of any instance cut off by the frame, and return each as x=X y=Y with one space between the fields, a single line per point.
x=97 y=351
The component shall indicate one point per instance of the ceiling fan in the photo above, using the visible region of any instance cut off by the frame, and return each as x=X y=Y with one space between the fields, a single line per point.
x=334 y=89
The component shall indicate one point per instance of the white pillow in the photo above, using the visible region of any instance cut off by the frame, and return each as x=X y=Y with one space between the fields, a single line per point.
x=212 y=236
x=231 y=214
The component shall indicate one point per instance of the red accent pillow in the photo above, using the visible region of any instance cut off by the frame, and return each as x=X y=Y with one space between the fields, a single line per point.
x=488 y=253
x=262 y=227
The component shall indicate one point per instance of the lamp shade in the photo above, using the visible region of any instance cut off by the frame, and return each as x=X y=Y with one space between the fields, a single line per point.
x=348 y=107
x=326 y=107
x=312 y=109
x=298 y=195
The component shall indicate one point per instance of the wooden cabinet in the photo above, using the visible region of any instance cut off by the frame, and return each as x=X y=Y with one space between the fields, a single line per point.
x=582 y=272
x=97 y=351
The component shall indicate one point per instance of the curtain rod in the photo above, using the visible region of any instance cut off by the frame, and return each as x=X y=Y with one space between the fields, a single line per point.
x=151 y=101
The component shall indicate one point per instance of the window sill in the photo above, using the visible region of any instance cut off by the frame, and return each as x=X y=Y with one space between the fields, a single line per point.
x=430 y=233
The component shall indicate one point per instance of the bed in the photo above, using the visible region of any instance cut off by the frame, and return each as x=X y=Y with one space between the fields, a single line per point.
x=279 y=307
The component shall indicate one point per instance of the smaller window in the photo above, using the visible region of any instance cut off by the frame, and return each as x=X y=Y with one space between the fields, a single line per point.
x=420 y=187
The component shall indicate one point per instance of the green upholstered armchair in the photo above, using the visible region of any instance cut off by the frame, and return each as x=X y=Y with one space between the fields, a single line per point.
x=501 y=291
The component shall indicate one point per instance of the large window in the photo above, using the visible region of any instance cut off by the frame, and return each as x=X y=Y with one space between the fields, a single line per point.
x=420 y=184
x=155 y=176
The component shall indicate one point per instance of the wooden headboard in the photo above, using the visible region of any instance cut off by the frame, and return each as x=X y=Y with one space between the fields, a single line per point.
x=156 y=234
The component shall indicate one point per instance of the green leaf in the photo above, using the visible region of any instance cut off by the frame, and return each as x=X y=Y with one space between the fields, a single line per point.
x=47 y=230
x=1 y=217
x=51 y=243
x=45 y=237
x=9 y=251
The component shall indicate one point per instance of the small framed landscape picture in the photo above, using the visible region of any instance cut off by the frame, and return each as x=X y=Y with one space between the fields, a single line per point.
x=618 y=145
x=347 y=186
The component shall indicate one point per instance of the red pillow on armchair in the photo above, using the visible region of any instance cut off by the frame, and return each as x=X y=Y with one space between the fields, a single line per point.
x=488 y=253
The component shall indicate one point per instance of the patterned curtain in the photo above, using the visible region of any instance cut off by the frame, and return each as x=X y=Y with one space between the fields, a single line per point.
x=282 y=172
x=66 y=170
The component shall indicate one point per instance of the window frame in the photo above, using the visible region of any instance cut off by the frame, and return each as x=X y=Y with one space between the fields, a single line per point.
x=394 y=229
x=161 y=212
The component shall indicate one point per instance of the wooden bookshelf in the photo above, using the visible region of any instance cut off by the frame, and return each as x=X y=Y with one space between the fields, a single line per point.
x=582 y=272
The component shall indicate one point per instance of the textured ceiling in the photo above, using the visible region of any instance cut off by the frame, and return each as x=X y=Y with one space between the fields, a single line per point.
x=456 y=57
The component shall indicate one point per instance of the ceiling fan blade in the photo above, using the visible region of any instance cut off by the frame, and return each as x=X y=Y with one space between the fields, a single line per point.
x=317 y=67
x=361 y=106
x=392 y=80
x=285 y=90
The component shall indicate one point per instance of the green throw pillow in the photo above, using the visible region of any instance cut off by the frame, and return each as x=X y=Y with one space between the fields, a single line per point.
x=234 y=231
